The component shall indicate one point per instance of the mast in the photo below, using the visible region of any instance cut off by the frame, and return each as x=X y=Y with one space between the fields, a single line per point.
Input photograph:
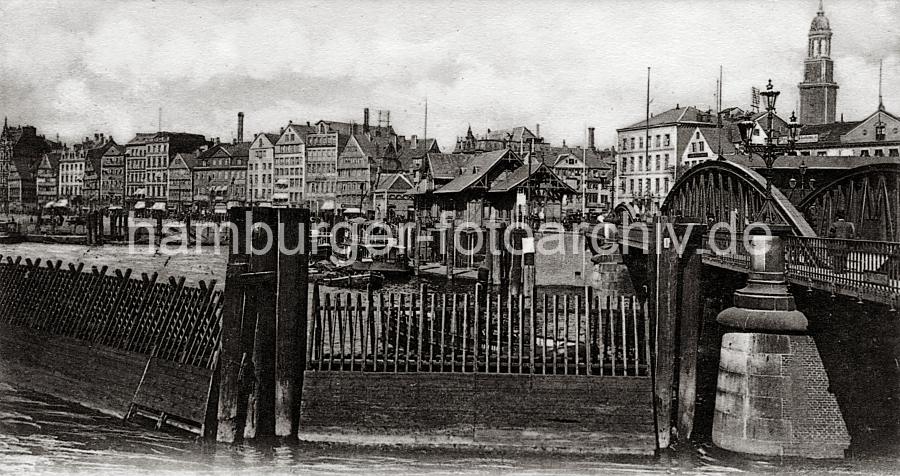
x=647 y=132
x=719 y=110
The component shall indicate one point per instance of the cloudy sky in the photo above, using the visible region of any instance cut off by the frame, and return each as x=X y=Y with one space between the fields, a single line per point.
x=76 y=68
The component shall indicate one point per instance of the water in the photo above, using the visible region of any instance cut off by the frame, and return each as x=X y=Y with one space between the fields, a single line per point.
x=42 y=434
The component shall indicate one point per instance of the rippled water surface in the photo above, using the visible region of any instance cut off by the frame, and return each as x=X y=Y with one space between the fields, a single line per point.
x=42 y=434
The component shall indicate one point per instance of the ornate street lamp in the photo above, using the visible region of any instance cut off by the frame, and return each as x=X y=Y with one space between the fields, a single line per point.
x=770 y=150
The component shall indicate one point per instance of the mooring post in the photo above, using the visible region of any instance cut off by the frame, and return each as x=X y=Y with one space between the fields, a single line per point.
x=663 y=308
x=290 y=317
x=230 y=427
x=263 y=260
x=689 y=326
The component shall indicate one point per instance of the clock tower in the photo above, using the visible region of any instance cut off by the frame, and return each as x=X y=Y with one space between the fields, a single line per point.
x=818 y=91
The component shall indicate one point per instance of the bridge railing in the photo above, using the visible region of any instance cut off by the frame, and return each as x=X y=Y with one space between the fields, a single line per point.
x=726 y=250
x=863 y=268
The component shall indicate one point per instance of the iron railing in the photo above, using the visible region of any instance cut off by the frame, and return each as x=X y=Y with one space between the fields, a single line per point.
x=487 y=333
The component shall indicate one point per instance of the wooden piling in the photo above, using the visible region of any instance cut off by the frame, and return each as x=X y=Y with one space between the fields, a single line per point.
x=664 y=308
x=689 y=334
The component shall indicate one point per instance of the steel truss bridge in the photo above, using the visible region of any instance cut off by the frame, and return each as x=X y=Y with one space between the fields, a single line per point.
x=867 y=268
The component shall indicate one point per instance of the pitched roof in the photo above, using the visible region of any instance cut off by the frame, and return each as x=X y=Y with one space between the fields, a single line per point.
x=727 y=135
x=346 y=128
x=116 y=149
x=672 y=116
x=141 y=138
x=475 y=169
x=828 y=132
x=241 y=149
x=515 y=134
x=53 y=159
x=393 y=181
x=518 y=176
x=446 y=166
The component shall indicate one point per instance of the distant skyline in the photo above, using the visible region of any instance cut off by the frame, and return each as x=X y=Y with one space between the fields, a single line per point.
x=76 y=68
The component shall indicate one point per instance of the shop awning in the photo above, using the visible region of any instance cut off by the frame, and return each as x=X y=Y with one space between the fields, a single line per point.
x=140 y=192
x=232 y=203
x=140 y=205
x=62 y=202
x=280 y=196
x=50 y=204
x=327 y=205
x=114 y=207
x=352 y=210
x=221 y=211
x=283 y=182
x=159 y=206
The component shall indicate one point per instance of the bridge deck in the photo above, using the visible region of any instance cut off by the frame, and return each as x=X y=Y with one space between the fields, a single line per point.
x=871 y=269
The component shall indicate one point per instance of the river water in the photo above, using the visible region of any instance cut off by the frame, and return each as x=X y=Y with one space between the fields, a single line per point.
x=42 y=434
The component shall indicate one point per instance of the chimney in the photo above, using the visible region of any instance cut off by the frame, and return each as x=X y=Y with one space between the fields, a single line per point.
x=101 y=138
x=414 y=141
x=96 y=137
x=591 y=138
x=366 y=120
x=240 y=135
x=537 y=131
x=280 y=130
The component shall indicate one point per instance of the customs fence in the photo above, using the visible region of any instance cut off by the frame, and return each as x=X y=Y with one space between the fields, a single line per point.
x=481 y=332
x=169 y=320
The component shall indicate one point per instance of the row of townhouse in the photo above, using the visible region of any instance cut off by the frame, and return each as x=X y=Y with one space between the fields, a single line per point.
x=326 y=166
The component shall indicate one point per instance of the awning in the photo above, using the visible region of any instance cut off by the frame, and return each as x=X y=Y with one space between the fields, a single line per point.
x=140 y=192
x=50 y=204
x=114 y=207
x=283 y=181
x=220 y=206
x=201 y=197
x=62 y=202
x=280 y=196
x=221 y=211
x=327 y=205
x=352 y=210
x=140 y=205
x=232 y=203
x=159 y=206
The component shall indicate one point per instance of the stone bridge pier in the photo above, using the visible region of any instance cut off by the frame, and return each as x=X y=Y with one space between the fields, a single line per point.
x=773 y=396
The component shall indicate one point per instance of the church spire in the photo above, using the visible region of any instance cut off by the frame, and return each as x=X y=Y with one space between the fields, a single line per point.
x=880 y=100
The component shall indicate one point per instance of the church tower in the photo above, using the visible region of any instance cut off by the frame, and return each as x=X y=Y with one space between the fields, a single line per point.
x=818 y=91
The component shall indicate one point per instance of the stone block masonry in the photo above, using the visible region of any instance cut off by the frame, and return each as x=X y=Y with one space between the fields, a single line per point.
x=773 y=398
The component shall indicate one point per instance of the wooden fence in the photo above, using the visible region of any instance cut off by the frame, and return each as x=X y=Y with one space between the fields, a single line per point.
x=479 y=332
x=168 y=320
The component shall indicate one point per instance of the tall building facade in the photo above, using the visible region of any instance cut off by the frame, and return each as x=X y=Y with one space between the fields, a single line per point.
x=818 y=91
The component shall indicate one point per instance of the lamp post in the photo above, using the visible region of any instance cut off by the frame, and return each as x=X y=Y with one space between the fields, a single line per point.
x=770 y=150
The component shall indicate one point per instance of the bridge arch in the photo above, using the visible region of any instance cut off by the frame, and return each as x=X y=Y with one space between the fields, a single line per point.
x=713 y=189
x=869 y=196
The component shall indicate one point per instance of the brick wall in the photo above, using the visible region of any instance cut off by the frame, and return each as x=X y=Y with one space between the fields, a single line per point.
x=568 y=413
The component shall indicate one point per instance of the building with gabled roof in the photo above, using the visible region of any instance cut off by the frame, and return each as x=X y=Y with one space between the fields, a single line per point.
x=161 y=149
x=260 y=170
x=391 y=196
x=220 y=174
x=112 y=176
x=181 y=181
x=518 y=138
x=288 y=164
x=359 y=167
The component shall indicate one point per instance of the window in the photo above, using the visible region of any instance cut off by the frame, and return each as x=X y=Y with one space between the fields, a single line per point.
x=698 y=135
x=693 y=147
x=893 y=153
x=624 y=143
x=700 y=144
x=658 y=164
x=666 y=140
x=641 y=142
x=879 y=153
x=632 y=143
x=656 y=184
x=804 y=152
x=666 y=185
x=666 y=161
x=657 y=140
x=823 y=153
x=864 y=153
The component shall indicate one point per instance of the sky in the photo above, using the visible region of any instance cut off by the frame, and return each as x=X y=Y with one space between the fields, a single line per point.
x=79 y=68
